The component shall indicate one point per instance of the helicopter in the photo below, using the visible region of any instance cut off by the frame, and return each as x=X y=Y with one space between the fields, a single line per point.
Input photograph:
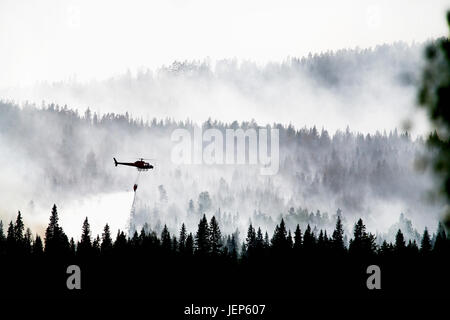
x=140 y=164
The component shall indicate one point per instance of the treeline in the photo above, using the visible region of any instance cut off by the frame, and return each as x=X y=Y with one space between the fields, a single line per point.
x=209 y=241
x=207 y=264
x=350 y=170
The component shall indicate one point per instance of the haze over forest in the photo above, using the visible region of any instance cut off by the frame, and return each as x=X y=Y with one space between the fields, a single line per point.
x=343 y=145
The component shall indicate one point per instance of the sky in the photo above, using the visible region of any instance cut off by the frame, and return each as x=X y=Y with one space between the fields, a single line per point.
x=51 y=40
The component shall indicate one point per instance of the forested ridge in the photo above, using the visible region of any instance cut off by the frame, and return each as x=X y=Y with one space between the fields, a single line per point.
x=69 y=155
x=317 y=260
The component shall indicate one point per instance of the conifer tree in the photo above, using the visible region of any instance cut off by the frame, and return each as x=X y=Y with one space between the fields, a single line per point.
x=259 y=241
x=309 y=240
x=28 y=241
x=441 y=239
x=400 y=244
x=72 y=247
x=425 y=245
x=174 y=244
x=2 y=239
x=106 y=245
x=279 y=239
x=11 y=239
x=85 y=244
x=250 y=240
x=297 y=238
x=18 y=229
x=120 y=244
x=182 y=240
x=266 y=241
x=38 y=248
x=96 y=245
x=338 y=236
x=166 y=242
x=363 y=243
x=190 y=244
x=215 y=237
x=56 y=242
x=202 y=240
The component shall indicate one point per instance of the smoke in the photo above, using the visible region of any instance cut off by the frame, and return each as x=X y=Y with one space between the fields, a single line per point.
x=51 y=154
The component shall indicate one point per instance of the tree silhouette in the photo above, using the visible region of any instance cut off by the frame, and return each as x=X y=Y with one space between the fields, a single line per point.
x=215 y=237
x=182 y=240
x=279 y=239
x=190 y=245
x=107 y=243
x=400 y=243
x=84 y=247
x=166 y=242
x=297 y=238
x=56 y=242
x=363 y=243
x=338 y=235
x=120 y=244
x=309 y=240
x=2 y=239
x=202 y=238
x=250 y=240
x=425 y=246
x=440 y=242
x=18 y=230
x=38 y=248
x=11 y=240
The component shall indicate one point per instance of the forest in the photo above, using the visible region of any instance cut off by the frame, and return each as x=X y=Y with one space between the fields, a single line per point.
x=209 y=263
x=65 y=156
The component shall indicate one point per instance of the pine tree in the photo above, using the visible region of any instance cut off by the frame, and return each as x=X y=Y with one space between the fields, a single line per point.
x=72 y=247
x=121 y=244
x=266 y=241
x=441 y=239
x=174 y=244
x=412 y=248
x=338 y=236
x=18 y=229
x=202 y=241
x=297 y=238
x=385 y=249
x=56 y=242
x=215 y=237
x=363 y=243
x=2 y=239
x=166 y=241
x=96 y=245
x=279 y=239
x=309 y=240
x=259 y=241
x=85 y=244
x=250 y=240
x=321 y=241
x=106 y=245
x=425 y=245
x=11 y=240
x=400 y=244
x=38 y=248
x=2 y=234
x=28 y=241
x=190 y=245
x=182 y=241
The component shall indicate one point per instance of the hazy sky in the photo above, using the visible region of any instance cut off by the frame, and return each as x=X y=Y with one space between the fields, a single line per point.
x=54 y=39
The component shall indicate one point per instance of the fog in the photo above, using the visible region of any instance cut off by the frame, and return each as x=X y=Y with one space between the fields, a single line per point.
x=367 y=89
x=341 y=116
